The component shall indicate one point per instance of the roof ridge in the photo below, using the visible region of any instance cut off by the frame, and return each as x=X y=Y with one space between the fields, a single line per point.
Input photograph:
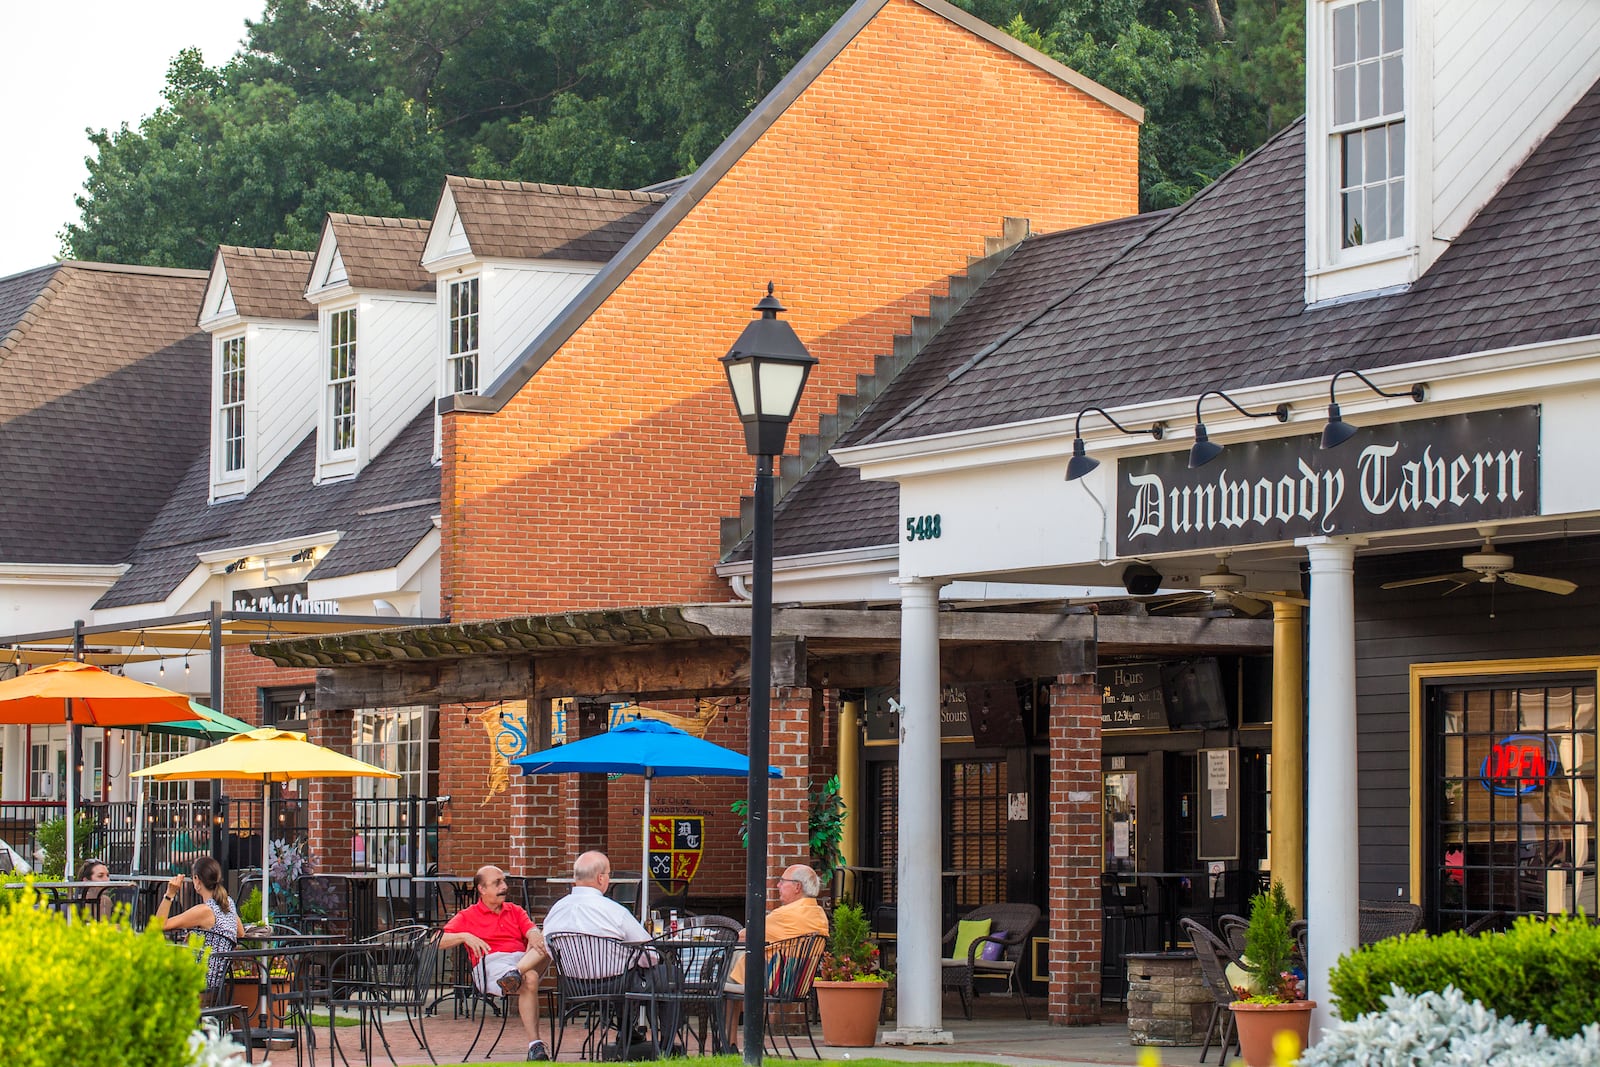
x=513 y=186
x=134 y=268
x=267 y=253
x=386 y=221
x=35 y=310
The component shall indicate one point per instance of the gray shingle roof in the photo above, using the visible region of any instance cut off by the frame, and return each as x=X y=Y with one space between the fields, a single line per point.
x=268 y=283
x=377 y=532
x=383 y=253
x=523 y=220
x=831 y=508
x=1213 y=297
x=102 y=406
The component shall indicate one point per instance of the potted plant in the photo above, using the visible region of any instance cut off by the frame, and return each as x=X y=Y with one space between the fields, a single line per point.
x=850 y=984
x=1278 y=1005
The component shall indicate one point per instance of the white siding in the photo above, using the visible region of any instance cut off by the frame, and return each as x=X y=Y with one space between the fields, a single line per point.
x=1505 y=71
x=518 y=302
x=395 y=366
x=281 y=367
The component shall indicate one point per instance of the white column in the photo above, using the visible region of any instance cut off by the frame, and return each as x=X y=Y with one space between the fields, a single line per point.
x=918 y=990
x=14 y=772
x=1333 y=885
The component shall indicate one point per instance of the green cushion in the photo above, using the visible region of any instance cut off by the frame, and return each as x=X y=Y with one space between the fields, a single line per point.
x=968 y=931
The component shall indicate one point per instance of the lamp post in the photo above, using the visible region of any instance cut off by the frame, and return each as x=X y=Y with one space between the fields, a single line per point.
x=767 y=369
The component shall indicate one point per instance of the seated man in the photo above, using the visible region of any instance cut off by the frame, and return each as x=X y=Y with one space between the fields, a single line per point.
x=506 y=949
x=797 y=913
x=587 y=910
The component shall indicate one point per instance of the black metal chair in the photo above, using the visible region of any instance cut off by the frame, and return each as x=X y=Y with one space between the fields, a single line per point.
x=714 y=922
x=591 y=980
x=220 y=1003
x=282 y=1011
x=354 y=983
x=1214 y=956
x=792 y=966
x=1009 y=926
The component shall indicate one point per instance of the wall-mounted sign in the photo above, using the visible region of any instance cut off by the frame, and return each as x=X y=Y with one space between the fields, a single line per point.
x=676 y=844
x=880 y=713
x=1479 y=467
x=1131 y=697
x=284 y=600
x=1519 y=764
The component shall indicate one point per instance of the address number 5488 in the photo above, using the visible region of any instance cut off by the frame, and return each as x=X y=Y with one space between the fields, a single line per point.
x=922 y=528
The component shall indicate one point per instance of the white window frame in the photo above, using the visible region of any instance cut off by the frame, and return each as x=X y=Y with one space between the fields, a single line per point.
x=232 y=381
x=1380 y=129
x=399 y=739
x=340 y=458
x=463 y=337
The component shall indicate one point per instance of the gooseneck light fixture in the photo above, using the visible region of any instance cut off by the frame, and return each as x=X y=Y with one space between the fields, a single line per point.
x=1081 y=462
x=767 y=369
x=1205 y=450
x=1337 y=432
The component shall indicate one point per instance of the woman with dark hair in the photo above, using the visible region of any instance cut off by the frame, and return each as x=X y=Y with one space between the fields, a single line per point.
x=99 y=903
x=215 y=916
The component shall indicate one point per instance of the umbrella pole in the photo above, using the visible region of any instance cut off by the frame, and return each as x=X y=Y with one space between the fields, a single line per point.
x=266 y=850
x=138 y=807
x=644 y=870
x=67 y=872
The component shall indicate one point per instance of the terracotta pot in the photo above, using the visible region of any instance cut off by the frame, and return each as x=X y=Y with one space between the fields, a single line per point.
x=1260 y=1024
x=248 y=996
x=849 y=1012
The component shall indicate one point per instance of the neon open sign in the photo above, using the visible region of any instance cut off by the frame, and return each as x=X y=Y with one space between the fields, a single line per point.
x=1519 y=764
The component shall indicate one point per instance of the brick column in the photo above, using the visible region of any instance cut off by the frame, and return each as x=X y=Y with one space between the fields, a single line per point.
x=788 y=799
x=330 y=820
x=1074 y=859
x=582 y=803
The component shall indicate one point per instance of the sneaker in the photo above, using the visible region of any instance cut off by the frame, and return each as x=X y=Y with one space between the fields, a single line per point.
x=511 y=982
x=536 y=1052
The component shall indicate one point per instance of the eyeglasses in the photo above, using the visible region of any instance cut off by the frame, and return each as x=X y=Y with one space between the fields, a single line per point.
x=796 y=881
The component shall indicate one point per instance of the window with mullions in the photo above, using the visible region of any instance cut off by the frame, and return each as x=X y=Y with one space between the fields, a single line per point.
x=342 y=380
x=461 y=370
x=231 y=405
x=883 y=835
x=975 y=831
x=1369 y=120
x=1513 y=792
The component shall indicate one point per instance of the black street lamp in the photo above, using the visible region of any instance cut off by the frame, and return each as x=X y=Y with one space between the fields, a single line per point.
x=767 y=370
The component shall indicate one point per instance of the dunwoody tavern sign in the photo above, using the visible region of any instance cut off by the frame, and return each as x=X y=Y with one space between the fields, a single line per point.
x=1478 y=467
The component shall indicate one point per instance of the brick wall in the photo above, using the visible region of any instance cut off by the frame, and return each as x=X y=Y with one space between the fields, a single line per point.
x=1074 y=856
x=601 y=483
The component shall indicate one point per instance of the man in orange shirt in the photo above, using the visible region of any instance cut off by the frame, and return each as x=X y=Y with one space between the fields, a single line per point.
x=797 y=913
x=506 y=949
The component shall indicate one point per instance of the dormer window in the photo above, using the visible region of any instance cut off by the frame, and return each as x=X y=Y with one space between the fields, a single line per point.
x=341 y=427
x=461 y=357
x=1368 y=127
x=230 y=410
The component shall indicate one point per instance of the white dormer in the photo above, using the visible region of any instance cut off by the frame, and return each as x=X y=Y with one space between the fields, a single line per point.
x=1417 y=112
x=375 y=330
x=263 y=356
x=507 y=258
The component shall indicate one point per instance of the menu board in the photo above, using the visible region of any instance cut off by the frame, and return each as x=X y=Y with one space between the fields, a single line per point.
x=1131 y=697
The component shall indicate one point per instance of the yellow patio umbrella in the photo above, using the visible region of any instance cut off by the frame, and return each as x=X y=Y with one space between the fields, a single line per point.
x=81 y=694
x=264 y=756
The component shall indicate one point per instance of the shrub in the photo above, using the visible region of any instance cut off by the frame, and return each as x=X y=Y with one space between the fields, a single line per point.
x=92 y=992
x=852 y=954
x=1541 y=971
x=1445 y=1030
x=1270 y=948
x=51 y=838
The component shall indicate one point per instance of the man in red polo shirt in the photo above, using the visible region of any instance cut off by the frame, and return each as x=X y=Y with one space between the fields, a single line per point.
x=506 y=949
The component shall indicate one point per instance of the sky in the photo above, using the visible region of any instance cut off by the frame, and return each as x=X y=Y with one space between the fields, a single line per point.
x=116 y=54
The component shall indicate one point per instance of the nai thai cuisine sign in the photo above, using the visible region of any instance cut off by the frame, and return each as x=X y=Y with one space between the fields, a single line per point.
x=1477 y=467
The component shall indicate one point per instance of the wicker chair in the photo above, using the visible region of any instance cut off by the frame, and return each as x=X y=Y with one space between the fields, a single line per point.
x=1388 y=918
x=1009 y=927
x=1214 y=956
x=1232 y=929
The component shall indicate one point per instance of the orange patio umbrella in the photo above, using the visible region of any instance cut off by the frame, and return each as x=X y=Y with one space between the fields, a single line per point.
x=81 y=694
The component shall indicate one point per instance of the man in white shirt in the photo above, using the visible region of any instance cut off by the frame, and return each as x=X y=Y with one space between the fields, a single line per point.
x=587 y=910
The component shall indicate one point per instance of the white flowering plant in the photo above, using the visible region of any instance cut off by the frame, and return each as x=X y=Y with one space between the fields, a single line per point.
x=209 y=1047
x=1446 y=1030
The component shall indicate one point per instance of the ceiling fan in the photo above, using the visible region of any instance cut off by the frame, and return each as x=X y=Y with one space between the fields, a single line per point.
x=1489 y=567
x=1227 y=593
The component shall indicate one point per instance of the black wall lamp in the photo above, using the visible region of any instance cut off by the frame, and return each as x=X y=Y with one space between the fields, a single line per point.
x=1337 y=432
x=1081 y=462
x=1205 y=450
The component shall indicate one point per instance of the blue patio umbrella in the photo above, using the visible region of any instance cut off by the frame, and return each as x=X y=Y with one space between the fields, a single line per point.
x=650 y=749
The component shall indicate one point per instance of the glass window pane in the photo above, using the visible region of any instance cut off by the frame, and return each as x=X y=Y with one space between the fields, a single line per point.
x=1353 y=232
x=1344 y=95
x=1397 y=149
x=1368 y=88
x=1397 y=207
x=1376 y=215
x=1344 y=35
x=1367 y=29
x=1393 y=25
x=1394 y=85
x=1376 y=151
x=1352 y=159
